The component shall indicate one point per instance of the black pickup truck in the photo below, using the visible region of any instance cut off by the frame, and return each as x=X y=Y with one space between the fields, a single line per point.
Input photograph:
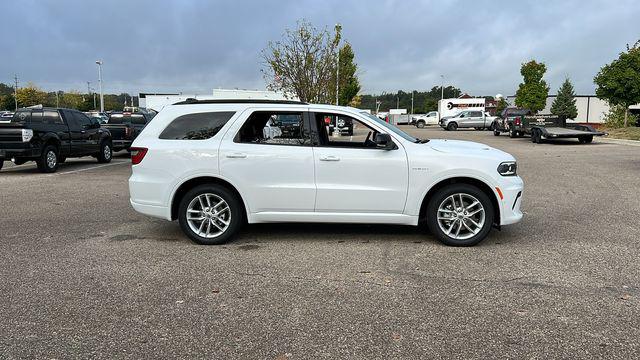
x=125 y=127
x=48 y=136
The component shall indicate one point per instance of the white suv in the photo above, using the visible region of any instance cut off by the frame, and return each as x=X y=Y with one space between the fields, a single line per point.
x=214 y=164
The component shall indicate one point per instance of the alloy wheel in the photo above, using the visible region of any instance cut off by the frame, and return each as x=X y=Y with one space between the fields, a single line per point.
x=208 y=215
x=461 y=216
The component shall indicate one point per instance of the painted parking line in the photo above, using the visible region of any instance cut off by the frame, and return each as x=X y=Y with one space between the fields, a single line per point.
x=89 y=168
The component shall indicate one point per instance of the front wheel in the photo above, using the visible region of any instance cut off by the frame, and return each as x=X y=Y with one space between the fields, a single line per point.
x=210 y=214
x=105 y=154
x=452 y=126
x=460 y=215
x=420 y=124
x=48 y=160
x=496 y=132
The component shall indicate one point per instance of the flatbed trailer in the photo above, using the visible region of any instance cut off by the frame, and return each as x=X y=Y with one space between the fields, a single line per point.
x=549 y=127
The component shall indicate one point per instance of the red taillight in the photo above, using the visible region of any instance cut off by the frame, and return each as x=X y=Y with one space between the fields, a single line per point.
x=327 y=120
x=137 y=154
x=518 y=121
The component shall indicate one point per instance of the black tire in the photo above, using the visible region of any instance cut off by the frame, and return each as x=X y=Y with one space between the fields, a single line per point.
x=105 y=153
x=236 y=213
x=496 y=132
x=535 y=136
x=420 y=124
x=441 y=195
x=513 y=134
x=452 y=126
x=585 y=139
x=48 y=160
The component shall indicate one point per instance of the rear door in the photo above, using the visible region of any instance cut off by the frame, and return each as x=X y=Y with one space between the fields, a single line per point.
x=476 y=119
x=267 y=153
x=89 y=133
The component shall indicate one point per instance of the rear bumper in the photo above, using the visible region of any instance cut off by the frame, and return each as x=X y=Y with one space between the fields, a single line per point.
x=121 y=144
x=161 y=212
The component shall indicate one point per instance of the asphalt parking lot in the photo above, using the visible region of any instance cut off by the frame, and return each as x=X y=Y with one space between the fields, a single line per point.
x=84 y=276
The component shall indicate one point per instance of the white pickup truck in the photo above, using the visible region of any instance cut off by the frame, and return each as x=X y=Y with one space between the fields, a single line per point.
x=475 y=119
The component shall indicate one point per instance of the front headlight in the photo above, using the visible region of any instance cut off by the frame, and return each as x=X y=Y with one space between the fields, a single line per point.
x=508 y=168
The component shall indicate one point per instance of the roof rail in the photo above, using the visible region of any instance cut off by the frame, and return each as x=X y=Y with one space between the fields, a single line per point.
x=192 y=101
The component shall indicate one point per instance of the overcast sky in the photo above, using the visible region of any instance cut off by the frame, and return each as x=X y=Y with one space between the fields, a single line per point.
x=194 y=46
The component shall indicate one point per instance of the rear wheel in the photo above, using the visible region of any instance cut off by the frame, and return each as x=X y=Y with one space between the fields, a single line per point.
x=48 y=160
x=210 y=214
x=460 y=215
x=105 y=154
x=496 y=132
x=420 y=124
x=512 y=133
x=585 y=139
x=452 y=126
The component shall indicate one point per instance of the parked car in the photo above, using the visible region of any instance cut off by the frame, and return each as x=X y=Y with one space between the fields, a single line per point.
x=430 y=118
x=100 y=116
x=6 y=116
x=476 y=119
x=49 y=136
x=125 y=127
x=208 y=164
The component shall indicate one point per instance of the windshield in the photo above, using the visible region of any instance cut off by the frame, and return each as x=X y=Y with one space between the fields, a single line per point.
x=390 y=127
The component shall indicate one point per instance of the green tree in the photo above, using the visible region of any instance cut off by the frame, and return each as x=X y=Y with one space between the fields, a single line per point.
x=619 y=81
x=7 y=102
x=565 y=104
x=31 y=95
x=349 y=84
x=533 y=91
x=303 y=63
x=501 y=105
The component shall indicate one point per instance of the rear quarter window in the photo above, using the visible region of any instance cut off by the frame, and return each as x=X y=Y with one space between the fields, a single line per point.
x=199 y=126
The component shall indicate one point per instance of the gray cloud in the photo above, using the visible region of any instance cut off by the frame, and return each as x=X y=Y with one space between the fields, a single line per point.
x=194 y=46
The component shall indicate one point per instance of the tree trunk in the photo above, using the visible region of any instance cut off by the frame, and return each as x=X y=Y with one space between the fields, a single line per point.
x=626 y=115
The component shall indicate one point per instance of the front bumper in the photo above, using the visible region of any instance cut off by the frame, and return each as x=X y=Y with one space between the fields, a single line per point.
x=509 y=195
x=26 y=152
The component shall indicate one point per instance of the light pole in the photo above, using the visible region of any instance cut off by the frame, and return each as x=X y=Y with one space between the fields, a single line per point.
x=412 y=101
x=338 y=29
x=99 y=62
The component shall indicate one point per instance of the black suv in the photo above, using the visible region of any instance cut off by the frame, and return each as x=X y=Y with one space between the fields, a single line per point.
x=48 y=136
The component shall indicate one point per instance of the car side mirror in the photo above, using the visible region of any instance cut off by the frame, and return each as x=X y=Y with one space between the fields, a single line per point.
x=383 y=141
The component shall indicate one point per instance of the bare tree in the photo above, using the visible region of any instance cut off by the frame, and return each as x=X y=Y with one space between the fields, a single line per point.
x=303 y=63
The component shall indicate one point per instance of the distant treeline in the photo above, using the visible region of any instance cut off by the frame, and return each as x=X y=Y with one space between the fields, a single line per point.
x=32 y=95
x=423 y=101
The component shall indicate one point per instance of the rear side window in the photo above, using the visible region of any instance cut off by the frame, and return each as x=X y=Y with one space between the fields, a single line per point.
x=200 y=126
x=51 y=117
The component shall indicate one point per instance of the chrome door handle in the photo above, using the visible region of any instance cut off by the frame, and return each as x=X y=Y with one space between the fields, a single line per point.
x=236 y=156
x=329 y=158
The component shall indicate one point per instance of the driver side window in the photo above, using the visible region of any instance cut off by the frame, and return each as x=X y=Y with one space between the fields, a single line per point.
x=336 y=130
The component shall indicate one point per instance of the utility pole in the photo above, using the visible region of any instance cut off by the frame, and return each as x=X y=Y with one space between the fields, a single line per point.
x=412 y=101
x=397 y=102
x=15 y=90
x=338 y=28
x=89 y=87
x=99 y=62
x=57 y=99
x=442 y=87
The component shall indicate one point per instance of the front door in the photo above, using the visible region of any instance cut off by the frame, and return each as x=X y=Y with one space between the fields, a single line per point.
x=353 y=174
x=268 y=155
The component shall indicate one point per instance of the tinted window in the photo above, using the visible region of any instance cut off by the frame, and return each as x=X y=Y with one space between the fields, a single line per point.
x=275 y=128
x=476 y=114
x=138 y=119
x=51 y=117
x=81 y=118
x=198 y=126
x=36 y=117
